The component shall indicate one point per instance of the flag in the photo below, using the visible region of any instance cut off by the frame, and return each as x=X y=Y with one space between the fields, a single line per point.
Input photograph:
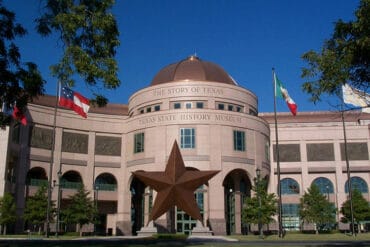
x=356 y=97
x=282 y=92
x=74 y=101
x=19 y=116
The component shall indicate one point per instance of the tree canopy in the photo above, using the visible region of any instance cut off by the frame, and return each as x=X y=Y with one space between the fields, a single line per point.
x=89 y=35
x=7 y=211
x=361 y=208
x=315 y=208
x=81 y=209
x=19 y=81
x=344 y=58
x=253 y=212
x=35 y=212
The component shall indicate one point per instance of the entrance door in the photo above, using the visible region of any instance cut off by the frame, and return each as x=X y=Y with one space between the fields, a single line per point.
x=185 y=223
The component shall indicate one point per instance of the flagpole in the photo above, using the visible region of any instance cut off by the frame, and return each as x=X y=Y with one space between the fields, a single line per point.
x=277 y=160
x=48 y=211
x=349 y=183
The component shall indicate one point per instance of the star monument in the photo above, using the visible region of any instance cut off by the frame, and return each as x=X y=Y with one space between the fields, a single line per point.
x=175 y=186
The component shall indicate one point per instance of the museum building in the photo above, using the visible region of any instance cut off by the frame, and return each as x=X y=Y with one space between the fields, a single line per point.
x=217 y=127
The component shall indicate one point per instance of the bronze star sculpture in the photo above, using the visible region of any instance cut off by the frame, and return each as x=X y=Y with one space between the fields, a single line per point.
x=175 y=186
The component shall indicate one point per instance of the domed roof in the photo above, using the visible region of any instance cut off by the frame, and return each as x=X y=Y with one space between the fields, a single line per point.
x=192 y=69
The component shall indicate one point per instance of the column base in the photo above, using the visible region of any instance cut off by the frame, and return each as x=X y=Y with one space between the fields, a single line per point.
x=148 y=230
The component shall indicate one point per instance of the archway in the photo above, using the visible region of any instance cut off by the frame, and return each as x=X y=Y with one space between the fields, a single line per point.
x=237 y=186
x=71 y=180
x=105 y=183
x=137 y=189
x=36 y=176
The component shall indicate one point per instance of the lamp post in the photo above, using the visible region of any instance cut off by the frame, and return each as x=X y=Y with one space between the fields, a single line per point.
x=96 y=188
x=230 y=210
x=258 y=190
x=58 y=202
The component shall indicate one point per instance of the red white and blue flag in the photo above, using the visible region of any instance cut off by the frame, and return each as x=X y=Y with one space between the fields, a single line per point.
x=74 y=101
x=19 y=115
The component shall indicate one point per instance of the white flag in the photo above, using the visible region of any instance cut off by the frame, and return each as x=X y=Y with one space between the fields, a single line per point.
x=356 y=97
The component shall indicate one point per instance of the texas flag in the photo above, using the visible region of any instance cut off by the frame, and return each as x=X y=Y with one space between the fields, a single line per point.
x=282 y=92
x=74 y=101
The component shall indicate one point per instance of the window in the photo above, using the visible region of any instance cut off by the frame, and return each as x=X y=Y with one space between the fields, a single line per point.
x=238 y=109
x=187 y=137
x=177 y=105
x=357 y=183
x=289 y=186
x=325 y=185
x=141 y=111
x=239 y=140
x=221 y=106
x=230 y=107
x=199 y=105
x=149 y=109
x=188 y=105
x=139 y=143
x=290 y=216
x=267 y=150
x=157 y=108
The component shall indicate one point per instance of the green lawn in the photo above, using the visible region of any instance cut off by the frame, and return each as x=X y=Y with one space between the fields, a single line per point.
x=294 y=236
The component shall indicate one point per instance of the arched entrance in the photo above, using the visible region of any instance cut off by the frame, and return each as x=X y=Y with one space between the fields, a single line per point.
x=105 y=184
x=137 y=189
x=237 y=186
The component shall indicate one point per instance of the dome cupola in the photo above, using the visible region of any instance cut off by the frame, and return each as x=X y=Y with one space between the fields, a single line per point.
x=192 y=69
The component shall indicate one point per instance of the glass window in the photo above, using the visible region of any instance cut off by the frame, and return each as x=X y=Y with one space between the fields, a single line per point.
x=221 y=106
x=289 y=186
x=139 y=143
x=157 y=108
x=230 y=107
x=200 y=105
x=267 y=150
x=324 y=184
x=188 y=105
x=238 y=109
x=357 y=183
x=149 y=109
x=177 y=105
x=187 y=137
x=239 y=140
x=290 y=216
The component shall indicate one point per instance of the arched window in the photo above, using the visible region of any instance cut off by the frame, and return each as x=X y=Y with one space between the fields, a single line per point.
x=106 y=181
x=289 y=186
x=71 y=180
x=358 y=184
x=324 y=184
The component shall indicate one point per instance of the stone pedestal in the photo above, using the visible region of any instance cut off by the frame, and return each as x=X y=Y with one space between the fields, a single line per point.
x=201 y=230
x=148 y=230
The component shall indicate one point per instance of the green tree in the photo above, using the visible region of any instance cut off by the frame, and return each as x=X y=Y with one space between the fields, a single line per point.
x=36 y=208
x=261 y=207
x=361 y=208
x=315 y=208
x=81 y=209
x=89 y=35
x=344 y=58
x=7 y=211
x=19 y=82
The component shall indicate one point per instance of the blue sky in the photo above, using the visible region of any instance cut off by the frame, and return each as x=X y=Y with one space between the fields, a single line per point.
x=245 y=37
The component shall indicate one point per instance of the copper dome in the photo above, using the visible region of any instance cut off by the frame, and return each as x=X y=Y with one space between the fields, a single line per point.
x=192 y=69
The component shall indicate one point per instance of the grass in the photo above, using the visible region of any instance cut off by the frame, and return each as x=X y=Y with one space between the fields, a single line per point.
x=167 y=240
x=297 y=236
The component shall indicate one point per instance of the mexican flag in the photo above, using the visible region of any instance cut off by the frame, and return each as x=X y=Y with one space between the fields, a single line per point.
x=282 y=92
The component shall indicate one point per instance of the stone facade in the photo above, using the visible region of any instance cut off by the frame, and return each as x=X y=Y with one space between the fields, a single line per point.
x=217 y=126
